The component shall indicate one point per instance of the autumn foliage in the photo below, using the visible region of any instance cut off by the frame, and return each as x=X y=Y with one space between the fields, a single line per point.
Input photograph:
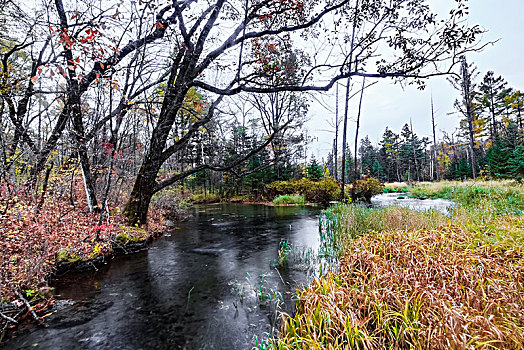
x=37 y=231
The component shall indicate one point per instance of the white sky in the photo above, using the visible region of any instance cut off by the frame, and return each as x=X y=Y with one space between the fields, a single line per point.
x=386 y=104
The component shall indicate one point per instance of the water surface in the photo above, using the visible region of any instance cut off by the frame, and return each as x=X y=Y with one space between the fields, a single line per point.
x=402 y=199
x=210 y=284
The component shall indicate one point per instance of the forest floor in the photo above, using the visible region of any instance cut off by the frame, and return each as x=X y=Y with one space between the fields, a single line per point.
x=411 y=279
x=40 y=236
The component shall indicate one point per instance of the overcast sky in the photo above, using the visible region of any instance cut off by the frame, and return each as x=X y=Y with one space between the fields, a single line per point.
x=386 y=104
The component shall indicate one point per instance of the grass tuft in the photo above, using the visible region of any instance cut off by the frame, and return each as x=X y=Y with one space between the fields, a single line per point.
x=289 y=199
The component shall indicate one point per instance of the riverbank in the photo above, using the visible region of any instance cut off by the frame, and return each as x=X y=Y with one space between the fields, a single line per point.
x=210 y=284
x=41 y=239
x=420 y=280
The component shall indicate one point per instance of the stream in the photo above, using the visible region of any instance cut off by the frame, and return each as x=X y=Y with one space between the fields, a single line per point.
x=211 y=283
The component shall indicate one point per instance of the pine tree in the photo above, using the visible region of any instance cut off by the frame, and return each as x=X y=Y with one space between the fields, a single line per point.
x=498 y=158
x=516 y=163
x=411 y=152
x=314 y=171
x=388 y=155
x=368 y=156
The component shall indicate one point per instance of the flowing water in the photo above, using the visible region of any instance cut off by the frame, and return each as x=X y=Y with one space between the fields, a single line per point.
x=211 y=284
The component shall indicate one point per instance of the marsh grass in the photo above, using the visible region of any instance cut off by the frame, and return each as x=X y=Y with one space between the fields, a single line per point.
x=341 y=224
x=395 y=188
x=205 y=198
x=505 y=197
x=427 y=289
x=419 y=279
x=289 y=199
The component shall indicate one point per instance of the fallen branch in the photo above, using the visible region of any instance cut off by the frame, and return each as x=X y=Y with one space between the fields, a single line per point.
x=7 y=318
x=24 y=300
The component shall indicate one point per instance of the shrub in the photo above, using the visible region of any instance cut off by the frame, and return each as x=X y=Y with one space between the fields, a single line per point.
x=314 y=191
x=171 y=204
x=366 y=188
x=205 y=198
x=395 y=188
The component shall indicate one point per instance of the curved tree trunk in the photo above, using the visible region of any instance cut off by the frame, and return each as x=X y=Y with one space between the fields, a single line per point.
x=137 y=206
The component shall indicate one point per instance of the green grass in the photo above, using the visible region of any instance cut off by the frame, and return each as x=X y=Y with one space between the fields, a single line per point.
x=395 y=188
x=505 y=197
x=205 y=198
x=289 y=199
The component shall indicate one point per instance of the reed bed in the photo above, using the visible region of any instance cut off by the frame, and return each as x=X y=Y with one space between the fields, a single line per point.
x=341 y=224
x=287 y=199
x=425 y=289
x=412 y=280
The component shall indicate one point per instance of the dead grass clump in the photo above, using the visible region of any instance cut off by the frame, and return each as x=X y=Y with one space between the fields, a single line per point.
x=427 y=289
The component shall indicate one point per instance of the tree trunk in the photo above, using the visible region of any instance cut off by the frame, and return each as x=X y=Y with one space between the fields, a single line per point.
x=358 y=126
x=75 y=111
x=335 y=151
x=414 y=152
x=137 y=205
x=344 y=135
x=469 y=115
x=344 y=138
x=519 y=116
x=493 y=117
x=435 y=158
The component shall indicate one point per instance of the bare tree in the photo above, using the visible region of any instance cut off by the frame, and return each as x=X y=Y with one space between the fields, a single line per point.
x=170 y=49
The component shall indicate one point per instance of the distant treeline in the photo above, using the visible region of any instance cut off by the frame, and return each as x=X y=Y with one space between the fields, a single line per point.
x=488 y=142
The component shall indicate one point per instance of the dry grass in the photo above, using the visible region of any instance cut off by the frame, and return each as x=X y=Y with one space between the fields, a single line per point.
x=410 y=280
x=426 y=289
x=343 y=223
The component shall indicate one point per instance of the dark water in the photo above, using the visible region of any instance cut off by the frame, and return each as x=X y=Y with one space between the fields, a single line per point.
x=208 y=285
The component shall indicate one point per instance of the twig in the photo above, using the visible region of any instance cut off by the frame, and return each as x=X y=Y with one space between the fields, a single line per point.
x=44 y=190
x=7 y=318
x=21 y=297
x=114 y=241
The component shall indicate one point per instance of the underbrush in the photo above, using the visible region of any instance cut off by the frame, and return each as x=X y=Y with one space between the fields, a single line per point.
x=205 y=198
x=420 y=280
x=322 y=191
x=36 y=233
x=289 y=199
